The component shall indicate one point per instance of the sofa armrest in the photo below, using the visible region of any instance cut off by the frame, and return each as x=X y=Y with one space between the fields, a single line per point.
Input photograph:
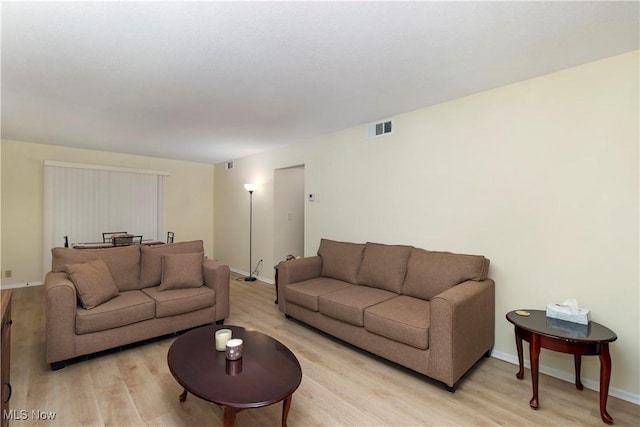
x=60 y=314
x=299 y=269
x=462 y=328
x=216 y=277
x=294 y=271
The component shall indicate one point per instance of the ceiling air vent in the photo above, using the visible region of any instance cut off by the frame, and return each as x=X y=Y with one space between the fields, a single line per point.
x=228 y=165
x=380 y=128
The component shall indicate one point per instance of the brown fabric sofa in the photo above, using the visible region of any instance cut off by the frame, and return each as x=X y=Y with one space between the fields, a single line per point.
x=104 y=298
x=432 y=312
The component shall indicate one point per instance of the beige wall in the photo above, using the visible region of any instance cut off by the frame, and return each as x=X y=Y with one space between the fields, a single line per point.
x=540 y=176
x=188 y=200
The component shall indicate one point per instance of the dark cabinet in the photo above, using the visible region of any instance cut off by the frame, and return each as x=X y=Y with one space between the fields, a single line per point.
x=6 y=354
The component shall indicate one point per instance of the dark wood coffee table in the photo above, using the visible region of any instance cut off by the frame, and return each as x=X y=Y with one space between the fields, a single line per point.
x=268 y=372
x=565 y=337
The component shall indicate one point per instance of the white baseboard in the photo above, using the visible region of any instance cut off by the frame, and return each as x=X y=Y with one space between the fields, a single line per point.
x=246 y=273
x=22 y=285
x=569 y=377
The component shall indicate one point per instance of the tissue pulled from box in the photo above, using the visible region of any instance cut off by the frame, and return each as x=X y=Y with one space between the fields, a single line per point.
x=569 y=311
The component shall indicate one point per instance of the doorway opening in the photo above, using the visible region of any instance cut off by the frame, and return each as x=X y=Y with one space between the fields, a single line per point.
x=288 y=212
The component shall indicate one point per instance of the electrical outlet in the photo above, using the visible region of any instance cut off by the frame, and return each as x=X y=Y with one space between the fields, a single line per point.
x=8 y=273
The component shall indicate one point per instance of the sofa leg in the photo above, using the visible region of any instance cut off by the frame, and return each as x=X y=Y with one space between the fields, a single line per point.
x=488 y=353
x=56 y=366
x=220 y=322
x=451 y=388
x=286 y=316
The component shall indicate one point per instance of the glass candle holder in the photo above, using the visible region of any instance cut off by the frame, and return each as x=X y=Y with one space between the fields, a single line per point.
x=234 y=349
x=222 y=336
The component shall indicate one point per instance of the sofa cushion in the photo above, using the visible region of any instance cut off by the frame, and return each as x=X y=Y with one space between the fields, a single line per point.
x=151 y=259
x=306 y=293
x=340 y=260
x=429 y=273
x=348 y=304
x=180 y=271
x=384 y=266
x=123 y=262
x=127 y=308
x=93 y=282
x=404 y=319
x=178 y=301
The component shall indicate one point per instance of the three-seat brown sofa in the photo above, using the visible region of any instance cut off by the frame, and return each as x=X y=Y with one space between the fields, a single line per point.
x=432 y=312
x=105 y=298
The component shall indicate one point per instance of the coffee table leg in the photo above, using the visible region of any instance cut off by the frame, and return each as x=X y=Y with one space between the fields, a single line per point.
x=228 y=416
x=534 y=352
x=183 y=396
x=520 y=373
x=605 y=377
x=286 y=405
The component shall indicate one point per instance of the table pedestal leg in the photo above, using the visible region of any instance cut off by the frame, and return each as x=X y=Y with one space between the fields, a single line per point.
x=577 y=360
x=520 y=373
x=605 y=377
x=228 y=416
x=534 y=352
x=276 y=280
x=286 y=405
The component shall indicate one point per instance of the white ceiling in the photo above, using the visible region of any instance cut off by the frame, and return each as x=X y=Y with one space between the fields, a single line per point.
x=215 y=81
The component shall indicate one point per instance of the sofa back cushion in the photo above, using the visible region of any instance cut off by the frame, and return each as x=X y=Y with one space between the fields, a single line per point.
x=340 y=260
x=151 y=259
x=384 y=266
x=429 y=273
x=123 y=262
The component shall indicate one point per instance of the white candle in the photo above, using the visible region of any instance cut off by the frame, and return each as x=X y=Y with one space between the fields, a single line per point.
x=222 y=336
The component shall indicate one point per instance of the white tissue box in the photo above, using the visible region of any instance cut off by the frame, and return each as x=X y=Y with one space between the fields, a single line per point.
x=570 y=314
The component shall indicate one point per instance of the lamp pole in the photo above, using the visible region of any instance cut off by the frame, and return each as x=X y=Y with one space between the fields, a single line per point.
x=250 y=188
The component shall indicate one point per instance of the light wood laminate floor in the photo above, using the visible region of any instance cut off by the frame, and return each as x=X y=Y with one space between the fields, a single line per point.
x=341 y=386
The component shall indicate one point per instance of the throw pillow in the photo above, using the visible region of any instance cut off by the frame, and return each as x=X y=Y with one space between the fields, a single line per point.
x=151 y=261
x=93 y=282
x=181 y=271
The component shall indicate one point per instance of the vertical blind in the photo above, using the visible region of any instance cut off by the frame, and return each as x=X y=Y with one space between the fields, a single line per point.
x=83 y=201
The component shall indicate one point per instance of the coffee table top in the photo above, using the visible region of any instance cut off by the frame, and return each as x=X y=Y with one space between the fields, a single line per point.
x=267 y=373
x=538 y=323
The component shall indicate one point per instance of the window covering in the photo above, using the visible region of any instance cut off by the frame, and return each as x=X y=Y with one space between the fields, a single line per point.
x=83 y=201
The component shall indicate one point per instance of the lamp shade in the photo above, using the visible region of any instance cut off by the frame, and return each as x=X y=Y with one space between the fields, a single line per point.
x=250 y=187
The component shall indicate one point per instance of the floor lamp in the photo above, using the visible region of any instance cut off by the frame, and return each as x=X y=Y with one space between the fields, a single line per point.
x=250 y=188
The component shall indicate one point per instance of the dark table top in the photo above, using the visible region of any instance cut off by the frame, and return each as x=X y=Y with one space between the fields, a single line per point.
x=538 y=323
x=104 y=245
x=267 y=373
